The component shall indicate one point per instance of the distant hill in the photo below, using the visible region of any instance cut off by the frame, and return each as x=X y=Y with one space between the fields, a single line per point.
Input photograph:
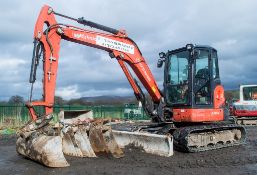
x=121 y=100
x=109 y=99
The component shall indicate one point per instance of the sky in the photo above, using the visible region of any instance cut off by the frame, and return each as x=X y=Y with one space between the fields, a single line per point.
x=229 y=26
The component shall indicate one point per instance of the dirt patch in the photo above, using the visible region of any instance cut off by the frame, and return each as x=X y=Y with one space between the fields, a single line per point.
x=234 y=160
x=6 y=140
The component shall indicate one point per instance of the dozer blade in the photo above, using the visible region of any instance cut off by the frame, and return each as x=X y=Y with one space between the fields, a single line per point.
x=41 y=148
x=161 y=145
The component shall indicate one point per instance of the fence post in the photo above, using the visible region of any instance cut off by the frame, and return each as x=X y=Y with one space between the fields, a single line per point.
x=101 y=111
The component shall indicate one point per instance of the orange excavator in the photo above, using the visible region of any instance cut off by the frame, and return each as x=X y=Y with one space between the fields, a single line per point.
x=190 y=107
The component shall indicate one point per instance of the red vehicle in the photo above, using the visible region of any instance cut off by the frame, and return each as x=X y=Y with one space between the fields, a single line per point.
x=245 y=109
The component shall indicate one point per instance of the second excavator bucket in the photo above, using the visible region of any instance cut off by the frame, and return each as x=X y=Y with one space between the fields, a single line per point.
x=102 y=140
x=91 y=140
x=85 y=137
x=77 y=144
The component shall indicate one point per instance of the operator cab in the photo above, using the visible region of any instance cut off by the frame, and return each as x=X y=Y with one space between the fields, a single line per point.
x=191 y=74
x=249 y=93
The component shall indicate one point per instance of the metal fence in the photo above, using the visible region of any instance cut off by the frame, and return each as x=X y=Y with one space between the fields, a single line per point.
x=20 y=113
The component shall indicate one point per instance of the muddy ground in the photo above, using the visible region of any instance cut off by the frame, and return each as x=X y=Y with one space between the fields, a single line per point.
x=235 y=160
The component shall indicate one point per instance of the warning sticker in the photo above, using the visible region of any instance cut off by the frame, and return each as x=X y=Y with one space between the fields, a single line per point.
x=113 y=44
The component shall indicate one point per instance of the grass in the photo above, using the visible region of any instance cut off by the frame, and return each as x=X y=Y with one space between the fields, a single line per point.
x=9 y=125
x=10 y=122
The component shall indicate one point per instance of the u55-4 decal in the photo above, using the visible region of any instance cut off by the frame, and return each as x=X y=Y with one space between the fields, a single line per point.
x=113 y=44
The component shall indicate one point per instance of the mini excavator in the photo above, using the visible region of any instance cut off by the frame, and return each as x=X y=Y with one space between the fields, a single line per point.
x=189 y=109
x=245 y=109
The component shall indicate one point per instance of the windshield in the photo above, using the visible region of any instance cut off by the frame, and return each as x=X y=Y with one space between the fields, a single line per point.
x=202 y=77
x=250 y=93
x=178 y=78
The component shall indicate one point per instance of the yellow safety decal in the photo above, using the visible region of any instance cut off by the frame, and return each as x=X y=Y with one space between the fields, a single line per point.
x=154 y=89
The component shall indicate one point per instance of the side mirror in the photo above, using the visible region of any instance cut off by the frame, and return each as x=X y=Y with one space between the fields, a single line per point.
x=159 y=63
x=162 y=55
x=190 y=47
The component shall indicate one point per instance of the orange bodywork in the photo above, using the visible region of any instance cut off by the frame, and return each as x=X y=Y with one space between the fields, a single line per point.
x=197 y=115
x=119 y=46
x=203 y=115
x=218 y=97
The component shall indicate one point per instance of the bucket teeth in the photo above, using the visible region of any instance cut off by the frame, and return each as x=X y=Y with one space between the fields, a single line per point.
x=111 y=143
x=70 y=146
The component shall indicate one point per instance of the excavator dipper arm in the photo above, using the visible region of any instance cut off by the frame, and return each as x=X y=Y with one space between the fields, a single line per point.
x=115 y=42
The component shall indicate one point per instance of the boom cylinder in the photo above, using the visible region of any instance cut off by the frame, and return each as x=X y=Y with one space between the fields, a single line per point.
x=33 y=69
x=97 y=26
x=90 y=24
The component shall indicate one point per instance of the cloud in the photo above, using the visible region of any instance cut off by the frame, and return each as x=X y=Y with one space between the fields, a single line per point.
x=73 y=91
x=155 y=26
x=12 y=63
x=68 y=92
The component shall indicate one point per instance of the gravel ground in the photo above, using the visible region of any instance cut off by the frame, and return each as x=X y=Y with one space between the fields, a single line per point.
x=234 y=160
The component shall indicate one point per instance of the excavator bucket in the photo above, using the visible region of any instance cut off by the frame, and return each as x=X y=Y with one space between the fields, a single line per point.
x=103 y=141
x=44 y=149
x=98 y=141
x=75 y=139
x=87 y=140
x=77 y=144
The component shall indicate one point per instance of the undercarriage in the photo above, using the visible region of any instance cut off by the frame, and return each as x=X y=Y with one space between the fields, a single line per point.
x=208 y=137
x=194 y=138
x=247 y=121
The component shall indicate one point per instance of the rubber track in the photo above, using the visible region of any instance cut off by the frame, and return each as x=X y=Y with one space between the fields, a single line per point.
x=242 y=119
x=180 y=136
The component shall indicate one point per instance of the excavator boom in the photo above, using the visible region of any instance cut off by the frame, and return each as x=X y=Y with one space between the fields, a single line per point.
x=115 y=42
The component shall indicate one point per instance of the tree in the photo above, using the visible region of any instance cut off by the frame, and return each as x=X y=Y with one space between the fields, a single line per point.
x=59 y=100
x=78 y=101
x=16 y=99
